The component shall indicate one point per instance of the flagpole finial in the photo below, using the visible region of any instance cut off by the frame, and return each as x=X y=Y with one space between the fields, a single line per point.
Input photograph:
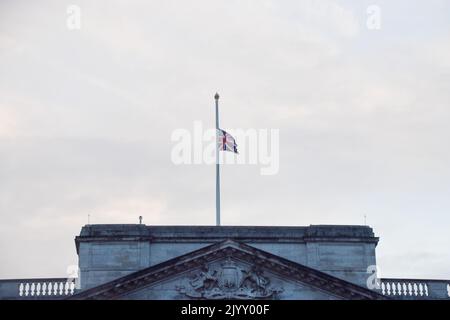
x=216 y=96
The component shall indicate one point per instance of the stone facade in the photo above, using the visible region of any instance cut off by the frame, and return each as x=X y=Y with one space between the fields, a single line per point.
x=107 y=252
x=227 y=262
x=228 y=270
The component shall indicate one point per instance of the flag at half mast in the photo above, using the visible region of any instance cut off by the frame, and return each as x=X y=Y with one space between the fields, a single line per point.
x=226 y=141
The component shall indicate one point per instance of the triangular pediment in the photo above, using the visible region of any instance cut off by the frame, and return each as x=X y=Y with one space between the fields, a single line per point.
x=228 y=270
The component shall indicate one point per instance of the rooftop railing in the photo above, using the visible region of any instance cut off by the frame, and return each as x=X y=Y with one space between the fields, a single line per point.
x=415 y=289
x=40 y=289
x=60 y=288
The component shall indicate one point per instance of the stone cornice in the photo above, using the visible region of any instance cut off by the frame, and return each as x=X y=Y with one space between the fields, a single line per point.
x=202 y=234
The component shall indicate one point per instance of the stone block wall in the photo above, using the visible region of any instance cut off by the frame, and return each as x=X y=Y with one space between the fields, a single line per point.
x=107 y=252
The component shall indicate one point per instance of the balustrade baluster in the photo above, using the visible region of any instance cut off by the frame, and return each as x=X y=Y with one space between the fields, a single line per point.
x=394 y=289
x=38 y=289
x=49 y=289
x=21 y=289
x=55 y=288
x=399 y=289
x=416 y=290
x=404 y=289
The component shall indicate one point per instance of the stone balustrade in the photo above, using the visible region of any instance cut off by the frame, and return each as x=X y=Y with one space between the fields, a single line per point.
x=40 y=289
x=59 y=288
x=415 y=289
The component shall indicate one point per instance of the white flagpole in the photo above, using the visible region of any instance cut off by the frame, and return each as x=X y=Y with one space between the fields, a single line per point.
x=216 y=97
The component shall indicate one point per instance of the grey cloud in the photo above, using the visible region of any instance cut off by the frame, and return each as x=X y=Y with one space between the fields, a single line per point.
x=86 y=119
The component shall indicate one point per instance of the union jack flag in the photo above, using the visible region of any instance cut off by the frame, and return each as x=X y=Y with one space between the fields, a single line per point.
x=226 y=142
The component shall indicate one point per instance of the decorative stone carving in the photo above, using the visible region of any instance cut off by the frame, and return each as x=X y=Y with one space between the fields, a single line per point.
x=229 y=282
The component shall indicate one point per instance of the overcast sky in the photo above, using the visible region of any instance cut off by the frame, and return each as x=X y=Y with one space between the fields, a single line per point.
x=86 y=118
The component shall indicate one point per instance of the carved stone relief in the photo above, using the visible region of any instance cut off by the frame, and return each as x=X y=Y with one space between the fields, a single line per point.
x=229 y=281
